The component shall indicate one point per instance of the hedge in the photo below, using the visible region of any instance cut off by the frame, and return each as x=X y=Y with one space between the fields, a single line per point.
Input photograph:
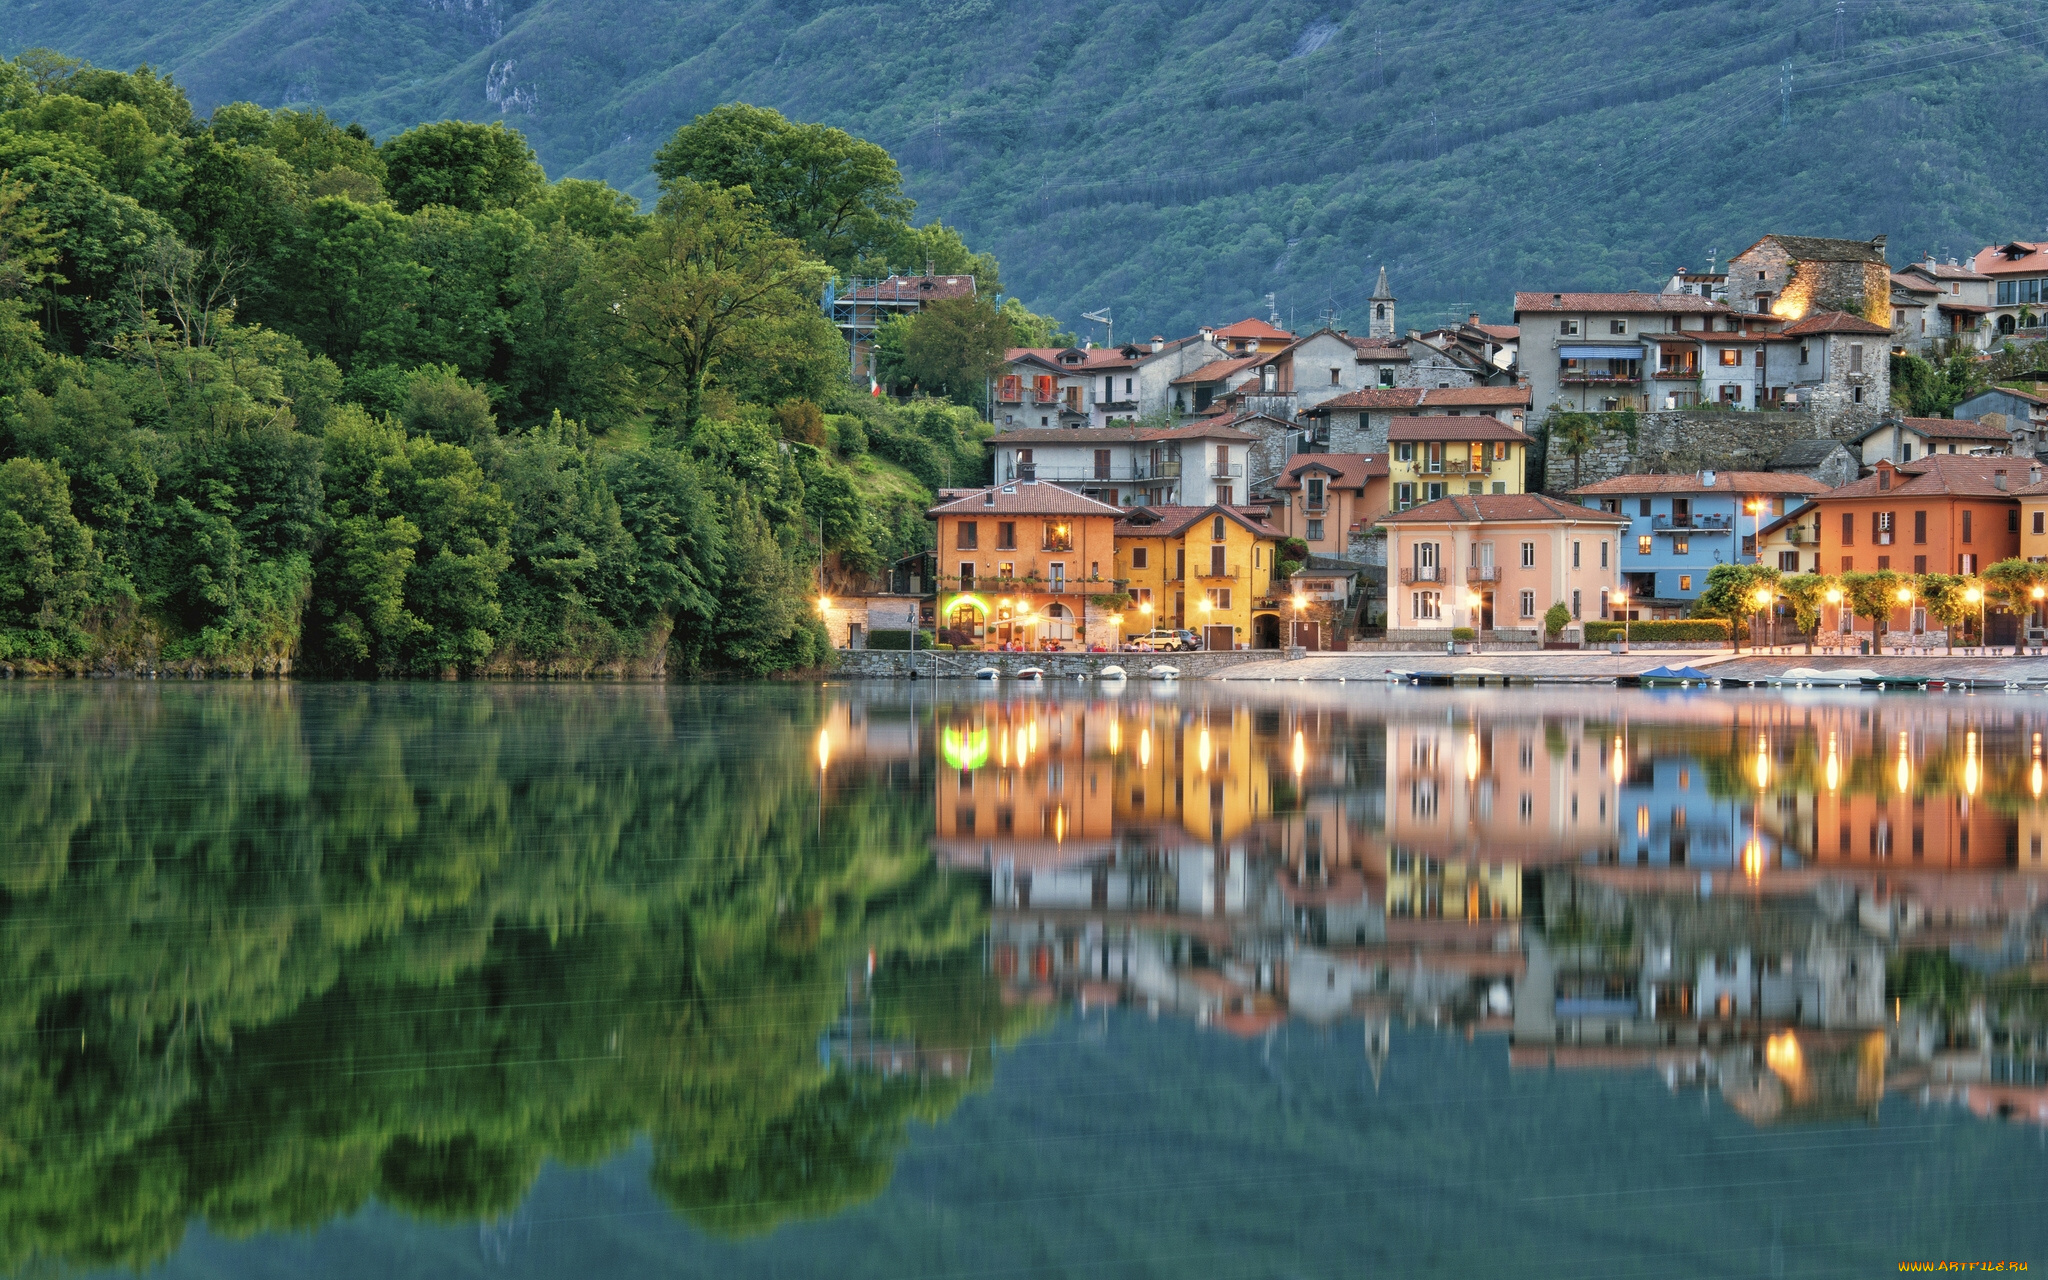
x=1710 y=630
x=897 y=639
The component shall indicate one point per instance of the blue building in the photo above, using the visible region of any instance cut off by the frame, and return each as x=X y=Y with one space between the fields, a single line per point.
x=1681 y=526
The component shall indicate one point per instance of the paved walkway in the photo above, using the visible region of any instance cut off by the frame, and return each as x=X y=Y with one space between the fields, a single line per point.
x=1596 y=665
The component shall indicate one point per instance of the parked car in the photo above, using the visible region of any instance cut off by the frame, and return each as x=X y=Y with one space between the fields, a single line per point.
x=1168 y=639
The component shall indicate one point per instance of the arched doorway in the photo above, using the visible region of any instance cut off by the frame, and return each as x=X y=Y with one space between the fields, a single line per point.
x=1059 y=624
x=2006 y=324
x=1265 y=631
x=965 y=620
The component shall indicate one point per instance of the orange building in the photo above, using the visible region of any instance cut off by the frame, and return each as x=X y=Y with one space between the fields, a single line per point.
x=1323 y=498
x=1945 y=513
x=1020 y=562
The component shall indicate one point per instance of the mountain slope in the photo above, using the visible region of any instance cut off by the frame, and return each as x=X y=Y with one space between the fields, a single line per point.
x=1177 y=165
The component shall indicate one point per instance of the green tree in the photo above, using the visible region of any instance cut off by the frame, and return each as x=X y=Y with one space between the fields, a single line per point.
x=1731 y=593
x=837 y=195
x=48 y=568
x=1575 y=434
x=1873 y=596
x=1028 y=329
x=461 y=164
x=679 y=298
x=1941 y=594
x=589 y=209
x=954 y=345
x=1927 y=390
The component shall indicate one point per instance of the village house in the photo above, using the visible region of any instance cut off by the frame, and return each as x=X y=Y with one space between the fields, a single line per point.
x=1825 y=459
x=1951 y=304
x=2033 y=500
x=1093 y=386
x=2018 y=271
x=1792 y=277
x=1359 y=421
x=2021 y=409
x=1497 y=562
x=1603 y=352
x=1432 y=457
x=1208 y=569
x=1681 y=526
x=1485 y=351
x=1197 y=464
x=1904 y=439
x=859 y=311
x=1325 y=499
x=1022 y=564
x=1791 y=543
x=1710 y=284
x=1838 y=367
x=1944 y=513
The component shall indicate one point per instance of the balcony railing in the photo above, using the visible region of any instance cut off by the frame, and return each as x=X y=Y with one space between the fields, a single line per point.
x=1599 y=380
x=1678 y=375
x=1115 y=472
x=1209 y=572
x=1423 y=573
x=1218 y=471
x=1689 y=524
x=1482 y=573
x=992 y=584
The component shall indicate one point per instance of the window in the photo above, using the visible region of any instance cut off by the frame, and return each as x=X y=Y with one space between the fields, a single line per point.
x=1603 y=553
x=1425 y=605
x=1218 y=557
x=1966 y=525
x=1316 y=492
x=967 y=575
x=1681 y=546
x=1575 y=555
x=1802 y=353
x=1855 y=357
x=1528 y=604
x=1966 y=563
x=1906 y=451
x=1881 y=528
x=1919 y=563
x=1141 y=596
x=1219 y=597
x=2040 y=518
x=1644 y=544
x=1127 y=386
x=1216 y=529
x=1575 y=606
x=1856 y=395
x=1006 y=535
x=1315 y=531
x=1500 y=451
x=1685 y=582
x=1920 y=528
x=2012 y=519
x=1140 y=556
x=1433 y=490
x=1336 y=377
x=1404 y=496
x=1788 y=562
x=1763 y=304
x=969 y=536
x=1643 y=507
x=1848 y=528
x=1225 y=495
x=1731 y=357
x=1386 y=378
x=1436 y=456
x=1180 y=563
x=1528 y=555
x=1006 y=569
x=1405 y=451
x=1568 y=328
x=1617 y=326
x=1059 y=536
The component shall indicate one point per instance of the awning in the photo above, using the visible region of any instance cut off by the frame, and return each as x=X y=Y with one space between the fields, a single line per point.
x=1600 y=353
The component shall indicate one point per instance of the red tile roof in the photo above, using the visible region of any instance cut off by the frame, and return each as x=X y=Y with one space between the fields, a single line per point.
x=1216 y=371
x=1834 y=322
x=1024 y=498
x=1734 y=482
x=1632 y=302
x=921 y=288
x=1085 y=436
x=1374 y=398
x=1944 y=271
x=1172 y=521
x=1093 y=358
x=1351 y=470
x=1466 y=509
x=2017 y=257
x=1445 y=427
x=1515 y=397
x=1252 y=327
x=1379 y=348
x=1501 y=332
x=1958 y=429
x=1940 y=474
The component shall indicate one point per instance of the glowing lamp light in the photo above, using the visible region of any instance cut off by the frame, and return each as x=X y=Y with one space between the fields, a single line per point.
x=1301 y=756
x=1763 y=763
x=1905 y=595
x=1905 y=766
x=1206 y=605
x=1144 y=746
x=1761 y=598
x=1781 y=1055
x=1753 y=860
x=824 y=604
x=1972 y=595
x=2034 y=780
x=1202 y=750
x=2039 y=593
x=1834 y=768
x=824 y=749
x=1116 y=738
x=1619 y=760
x=1145 y=608
x=1970 y=772
x=1300 y=603
x=1832 y=596
x=1471 y=757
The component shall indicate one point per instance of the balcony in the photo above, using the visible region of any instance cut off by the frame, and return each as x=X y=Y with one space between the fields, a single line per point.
x=1482 y=573
x=1210 y=575
x=1422 y=573
x=1234 y=471
x=1689 y=524
x=1583 y=379
x=1678 y=375
x=1117 y=406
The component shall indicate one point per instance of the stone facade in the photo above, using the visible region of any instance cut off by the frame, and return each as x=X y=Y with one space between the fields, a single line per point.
x=1801 y=275
x=1678 y=441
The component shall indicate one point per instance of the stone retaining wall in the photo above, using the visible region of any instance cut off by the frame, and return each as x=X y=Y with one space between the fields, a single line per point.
x=943 y=664
x=1674 y=441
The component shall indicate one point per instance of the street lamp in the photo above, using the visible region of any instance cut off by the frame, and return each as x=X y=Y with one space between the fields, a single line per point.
x=1762 y=598
x=1834 y=597
x=1905 y=598
x=1973 y=594
x=2038 y=593
x=1756 y=542
x=1618 y=600
x=1300 y=603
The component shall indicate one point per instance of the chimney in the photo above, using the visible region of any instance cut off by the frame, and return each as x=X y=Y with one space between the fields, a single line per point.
x=1877 y=242
x=988 y=499
x=2033 y=475
x=1472 y=319
x=1158 y=342
x=1556 y=299
x=1998 y=480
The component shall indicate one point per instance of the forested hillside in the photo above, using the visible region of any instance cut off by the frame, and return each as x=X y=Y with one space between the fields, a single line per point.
x=276 y=397
x=1177 y=163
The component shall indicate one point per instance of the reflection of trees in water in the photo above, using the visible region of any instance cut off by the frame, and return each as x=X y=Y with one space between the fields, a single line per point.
x=268 y=953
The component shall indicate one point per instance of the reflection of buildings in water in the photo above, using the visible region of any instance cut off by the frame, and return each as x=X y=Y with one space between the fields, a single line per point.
x=1522 y=791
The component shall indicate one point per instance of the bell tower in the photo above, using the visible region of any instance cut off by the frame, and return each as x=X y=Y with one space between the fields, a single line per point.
x=1382 y=300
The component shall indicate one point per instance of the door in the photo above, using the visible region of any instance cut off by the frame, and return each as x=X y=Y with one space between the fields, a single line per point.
x=856 y=636
x=1102 y=464
x=1219 y=636
x=1486 y=611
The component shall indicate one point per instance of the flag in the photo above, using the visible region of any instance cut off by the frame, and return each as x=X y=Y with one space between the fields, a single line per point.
x=874 y=388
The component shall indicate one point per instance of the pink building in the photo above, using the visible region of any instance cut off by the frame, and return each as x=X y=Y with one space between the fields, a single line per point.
x=1496 y=563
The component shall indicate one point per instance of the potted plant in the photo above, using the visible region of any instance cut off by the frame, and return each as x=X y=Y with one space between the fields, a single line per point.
x=1465 y=639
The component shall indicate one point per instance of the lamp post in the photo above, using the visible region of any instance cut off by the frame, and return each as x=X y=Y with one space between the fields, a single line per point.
x=2038 y=593
x=1974 y=594
x=1763 y=598
x=1205 y=607
x=1300 y=602
x=1756 y=529
x=1833 y=596
x=1618 y=599
x=1905 y=598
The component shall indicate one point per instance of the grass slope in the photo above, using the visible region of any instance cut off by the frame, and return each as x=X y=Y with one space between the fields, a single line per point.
x=1177 y=164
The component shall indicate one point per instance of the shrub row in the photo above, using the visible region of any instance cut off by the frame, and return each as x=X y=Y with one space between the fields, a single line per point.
x=898 y=640
x=1709 y=630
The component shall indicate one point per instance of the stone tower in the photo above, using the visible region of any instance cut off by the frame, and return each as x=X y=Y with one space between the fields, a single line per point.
x=1382 y=325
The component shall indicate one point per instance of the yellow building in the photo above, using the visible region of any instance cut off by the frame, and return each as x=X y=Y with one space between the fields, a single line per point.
x=1453 y=455
x=2033 y=498
x=1202 y=568
x=1790 y=543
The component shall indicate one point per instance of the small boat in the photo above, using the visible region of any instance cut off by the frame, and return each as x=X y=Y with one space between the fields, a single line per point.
x=1164 y=672
x=1031 y=673
x=988 y=673
x=1840 y=677
x=1683 y=677
x=1110 y=673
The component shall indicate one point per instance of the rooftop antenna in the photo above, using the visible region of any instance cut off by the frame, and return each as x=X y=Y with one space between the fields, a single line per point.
x=1102 y=318
x=1711 y=255
x=1272 y=312
x=1785 y=95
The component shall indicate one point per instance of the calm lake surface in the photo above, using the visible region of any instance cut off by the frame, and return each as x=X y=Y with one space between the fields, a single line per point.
x=950 y=980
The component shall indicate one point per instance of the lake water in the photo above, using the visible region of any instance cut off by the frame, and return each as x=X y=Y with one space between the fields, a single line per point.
x=950 y=980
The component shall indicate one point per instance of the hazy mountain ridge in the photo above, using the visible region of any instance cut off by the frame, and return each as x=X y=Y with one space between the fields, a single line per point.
x=1176 y=166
